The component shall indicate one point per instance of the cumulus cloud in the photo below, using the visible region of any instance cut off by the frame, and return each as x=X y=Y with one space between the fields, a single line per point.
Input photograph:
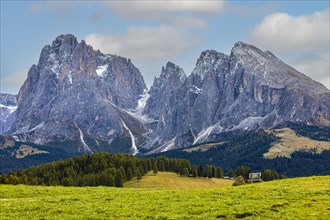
x=316 y=66
x=142 y=9
x=148 y=47
x=302 y=41
x=281 y=32
x=187 y=14
x=145 y=43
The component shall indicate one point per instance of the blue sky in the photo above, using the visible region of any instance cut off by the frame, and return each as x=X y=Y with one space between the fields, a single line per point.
x=154 y=32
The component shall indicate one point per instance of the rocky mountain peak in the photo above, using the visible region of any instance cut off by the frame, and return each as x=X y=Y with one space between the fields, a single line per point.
x=210 y=57
x=172 y=71
x=250 y=89
x=269 y=69
x=172 y=77
x=64 y=40
x=210 y=63
x=249 y=52
x=77 y=92
x=98 y=101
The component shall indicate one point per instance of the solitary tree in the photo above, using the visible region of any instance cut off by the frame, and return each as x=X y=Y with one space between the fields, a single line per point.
x=243 y=171
x=268 y=175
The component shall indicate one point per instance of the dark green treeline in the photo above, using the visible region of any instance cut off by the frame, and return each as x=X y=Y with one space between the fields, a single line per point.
x=104 y=169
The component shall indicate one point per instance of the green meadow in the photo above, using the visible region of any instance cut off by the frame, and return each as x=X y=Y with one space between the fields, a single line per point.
x=296 y=198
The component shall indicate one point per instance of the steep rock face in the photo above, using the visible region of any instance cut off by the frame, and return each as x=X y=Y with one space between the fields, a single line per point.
x=7 y=111
x=89 y=101
x=171 y=78
x=163 y=95
x=76 y=93
x=250 y=89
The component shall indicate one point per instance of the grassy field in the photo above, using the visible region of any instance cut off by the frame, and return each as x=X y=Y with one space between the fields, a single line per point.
x=299 y=198
x=290 y=142
x=173 y=181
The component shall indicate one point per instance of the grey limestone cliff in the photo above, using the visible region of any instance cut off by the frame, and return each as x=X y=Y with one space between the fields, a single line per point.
x=89 y=101
x=249 y=89
x=77 y=93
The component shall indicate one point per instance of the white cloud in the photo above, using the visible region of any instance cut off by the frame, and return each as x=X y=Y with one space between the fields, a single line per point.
x=189 y=13
x=316 y=66
x=281 y=32
x=142 y=9
x=145 y=43
x=185 y=22
x=148 y=47
x=302 y=41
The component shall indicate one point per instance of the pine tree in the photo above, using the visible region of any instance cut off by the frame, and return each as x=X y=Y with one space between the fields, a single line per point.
x=119 y=179
x=129 y=174
x=138 y=175
x=200 y=170
x=161 y=165
x=194 y=172
x=186 y=172
x=231 y=173
x=155 y=169
x=219 y=173
x=123 y=173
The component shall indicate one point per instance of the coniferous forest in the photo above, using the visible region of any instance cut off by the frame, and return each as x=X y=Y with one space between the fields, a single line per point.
x=247 y=149
x=105 y=169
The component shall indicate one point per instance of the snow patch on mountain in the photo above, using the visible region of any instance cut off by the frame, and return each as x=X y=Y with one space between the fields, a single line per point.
x=206 y=132
x=168 y=145
x=85 y=146
x=142 y=101
x=101 y=70
x=37 y=127
x=196 y=90
x=248 y=123
x=133 y=147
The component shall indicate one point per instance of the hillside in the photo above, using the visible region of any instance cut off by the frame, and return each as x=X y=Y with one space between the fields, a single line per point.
x=299 y=198
x=306 y=151
x=168 y=180
x=290 y=142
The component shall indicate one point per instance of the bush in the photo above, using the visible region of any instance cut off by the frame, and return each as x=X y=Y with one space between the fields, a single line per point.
x=239 y=181
x=268 y=175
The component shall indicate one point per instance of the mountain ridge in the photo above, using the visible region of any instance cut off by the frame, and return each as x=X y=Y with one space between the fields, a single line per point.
x=248 y=89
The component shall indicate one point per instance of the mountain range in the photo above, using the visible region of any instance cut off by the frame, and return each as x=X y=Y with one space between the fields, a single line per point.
x=84 y=101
